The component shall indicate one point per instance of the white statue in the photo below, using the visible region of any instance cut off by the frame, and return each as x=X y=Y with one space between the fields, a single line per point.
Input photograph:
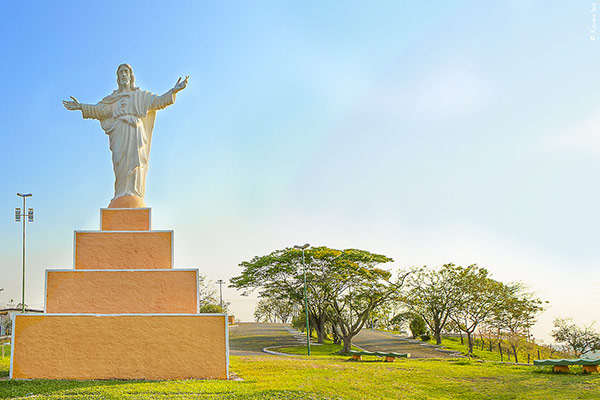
x=127 y=117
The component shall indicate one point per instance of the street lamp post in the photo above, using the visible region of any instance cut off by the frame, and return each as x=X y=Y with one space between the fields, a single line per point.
x=221 y=282
x=18 y=216
x=305 y=298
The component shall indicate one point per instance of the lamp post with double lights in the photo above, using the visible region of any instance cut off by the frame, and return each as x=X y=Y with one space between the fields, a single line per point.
x=304 y=247
x=20 y=215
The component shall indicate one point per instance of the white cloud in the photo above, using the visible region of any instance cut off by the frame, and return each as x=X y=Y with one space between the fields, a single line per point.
x=452 y=90
x=581 y=138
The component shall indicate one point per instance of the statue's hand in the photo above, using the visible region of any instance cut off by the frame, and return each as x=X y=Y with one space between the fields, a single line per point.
x=180 y=85
x=72 y=105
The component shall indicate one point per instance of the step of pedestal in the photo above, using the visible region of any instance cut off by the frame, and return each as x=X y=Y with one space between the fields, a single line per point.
x=123 y=249
x=125 y=219
x=170 y=291
x=59 y=346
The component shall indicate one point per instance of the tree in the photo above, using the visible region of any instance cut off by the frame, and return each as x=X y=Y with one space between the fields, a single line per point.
x=271 y=310
x=208 y=300
x=579 y=340
x=356 y=287
x=417 y=326
x=478 y=298
x=434 y=295
x=280 y=275
x=515 y=314
x=343 y=285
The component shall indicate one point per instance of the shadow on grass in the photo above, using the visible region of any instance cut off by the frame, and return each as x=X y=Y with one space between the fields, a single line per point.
x=106 y=389
x=21 y=388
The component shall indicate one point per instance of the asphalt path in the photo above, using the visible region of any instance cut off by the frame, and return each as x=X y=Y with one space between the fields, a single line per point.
x=371 y=340
x=249 y=339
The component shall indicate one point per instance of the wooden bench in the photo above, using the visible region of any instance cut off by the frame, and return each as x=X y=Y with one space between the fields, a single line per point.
x=389 y=357
x=562 y=364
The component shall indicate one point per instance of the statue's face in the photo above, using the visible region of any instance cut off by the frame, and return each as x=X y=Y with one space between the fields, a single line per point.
x=124 y=76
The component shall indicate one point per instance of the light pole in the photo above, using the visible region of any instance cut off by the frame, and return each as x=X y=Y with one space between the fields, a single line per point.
x=221 y=282
x=305 y=298
x=18 y=216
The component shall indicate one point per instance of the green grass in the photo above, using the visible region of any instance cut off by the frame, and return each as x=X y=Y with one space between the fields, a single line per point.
x=327 y=349
x=333 y=377
x=453 y=343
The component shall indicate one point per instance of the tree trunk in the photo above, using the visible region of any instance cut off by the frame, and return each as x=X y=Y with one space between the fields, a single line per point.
x=490 y=345
x=347 y=341
x=318 y=324
x=470 y=342
x=437 y=332
x=337 y=338
x=461 y=337
x=515 y=351
x=500 y=349
x=438 y=338
x=321 y=332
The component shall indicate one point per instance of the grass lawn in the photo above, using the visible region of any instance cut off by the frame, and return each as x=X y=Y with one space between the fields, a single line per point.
x=332 y=377
x=453 y=343
x=328 y=350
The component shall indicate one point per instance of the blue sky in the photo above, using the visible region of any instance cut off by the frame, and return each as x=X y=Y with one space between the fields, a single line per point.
x=429 y=132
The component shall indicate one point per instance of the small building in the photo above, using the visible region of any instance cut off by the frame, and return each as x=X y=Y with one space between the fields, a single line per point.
x=6 y=315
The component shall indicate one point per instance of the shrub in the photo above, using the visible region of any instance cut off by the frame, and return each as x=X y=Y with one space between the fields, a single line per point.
x=417 y=326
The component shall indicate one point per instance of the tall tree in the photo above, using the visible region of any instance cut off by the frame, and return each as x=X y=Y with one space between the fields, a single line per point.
x=355 y=287
x=515 y=313
x=434 y=294
x=279 y=275
x=345 y=285
x=577 y=339
x=271 y=309
x=478 y=299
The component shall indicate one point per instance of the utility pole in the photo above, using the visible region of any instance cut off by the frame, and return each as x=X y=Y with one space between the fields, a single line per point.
x=18 y=216
x=221 y=282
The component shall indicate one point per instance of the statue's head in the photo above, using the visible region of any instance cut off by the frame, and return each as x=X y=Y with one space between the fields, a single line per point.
x=125 y=77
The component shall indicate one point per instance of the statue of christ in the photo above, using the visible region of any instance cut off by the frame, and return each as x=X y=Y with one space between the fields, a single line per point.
x=127 y=117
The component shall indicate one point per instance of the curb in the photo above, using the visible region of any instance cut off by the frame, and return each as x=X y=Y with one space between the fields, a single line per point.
x=275 y=353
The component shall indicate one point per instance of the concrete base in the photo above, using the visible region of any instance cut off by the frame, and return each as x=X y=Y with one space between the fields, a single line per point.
x=590 y=368
x=125 y=219
x=123 y=312
x=67 y=346
x=123 y=249
x=171 y=291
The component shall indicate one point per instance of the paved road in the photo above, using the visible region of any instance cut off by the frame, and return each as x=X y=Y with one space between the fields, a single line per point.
x=383 y=341
x=249 y=338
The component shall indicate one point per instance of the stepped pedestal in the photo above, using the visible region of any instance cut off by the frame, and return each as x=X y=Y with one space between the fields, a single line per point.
x=123 y=312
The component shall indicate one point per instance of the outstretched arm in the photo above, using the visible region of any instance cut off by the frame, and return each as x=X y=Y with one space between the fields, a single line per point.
x=72 y=105
x=95 y=111
x=160 y=102
x=180 y=85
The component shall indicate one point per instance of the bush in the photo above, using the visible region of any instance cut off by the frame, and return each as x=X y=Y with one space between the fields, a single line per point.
x=417 y=326
x=425 y=337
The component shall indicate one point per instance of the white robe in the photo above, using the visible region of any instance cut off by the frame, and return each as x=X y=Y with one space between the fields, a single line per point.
x=128 y=119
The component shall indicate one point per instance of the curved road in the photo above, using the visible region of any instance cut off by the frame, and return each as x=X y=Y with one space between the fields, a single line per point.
x=371 y=340
x=248 y=339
